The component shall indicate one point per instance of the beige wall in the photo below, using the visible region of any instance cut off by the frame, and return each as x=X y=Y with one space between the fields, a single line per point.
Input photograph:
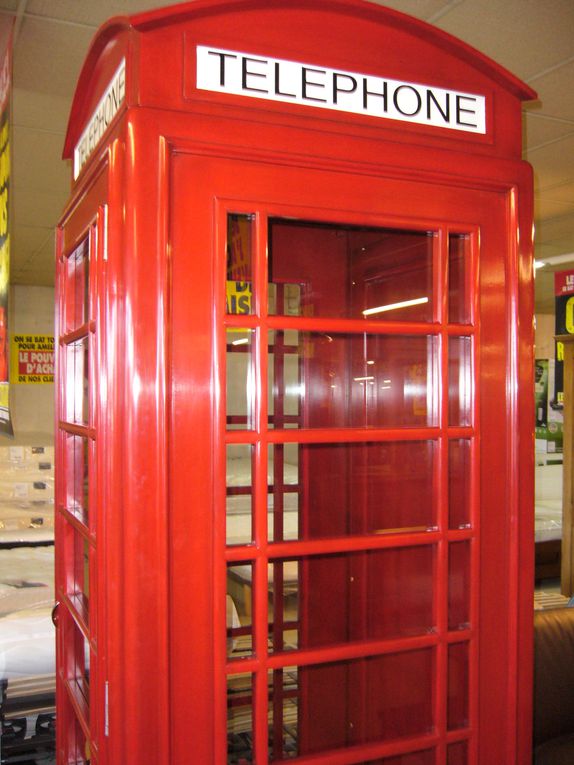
x=544 y=336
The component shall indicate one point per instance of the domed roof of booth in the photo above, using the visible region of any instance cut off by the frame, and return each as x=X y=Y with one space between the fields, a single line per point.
x=343 y=35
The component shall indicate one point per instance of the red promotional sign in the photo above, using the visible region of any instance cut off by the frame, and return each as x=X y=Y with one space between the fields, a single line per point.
x=563 y=283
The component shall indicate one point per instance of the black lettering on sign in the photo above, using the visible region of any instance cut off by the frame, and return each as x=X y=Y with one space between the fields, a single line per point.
x=337 y=88
x=403 y=91
x=306 y=83
x=251 y=73
x=222 y=57
x=374 y=93
x=278 y=91
x=460 y=110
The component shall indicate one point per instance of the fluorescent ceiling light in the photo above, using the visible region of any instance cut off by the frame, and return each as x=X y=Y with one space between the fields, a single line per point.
x=241 y=341
x=394 y=306
x=555 y=260
x=361 y=379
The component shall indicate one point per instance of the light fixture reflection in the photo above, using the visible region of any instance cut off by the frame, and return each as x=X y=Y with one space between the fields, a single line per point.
x=395 y=306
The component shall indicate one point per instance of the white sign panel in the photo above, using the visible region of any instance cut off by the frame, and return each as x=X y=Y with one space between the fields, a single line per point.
x=107 y=108
x=273 y=79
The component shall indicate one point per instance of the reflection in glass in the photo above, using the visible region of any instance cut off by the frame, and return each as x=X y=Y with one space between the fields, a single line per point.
x=239 y=379
x=457 y=707
x=80 y=669
x=459 y=483
x=239 y=271
x=77 y=483
x=352 y=272
x=77 y=371
x=239 y=499
x=239 y=603
x=284 y=488
x=78 y=585
x=354 y=381
x=457 y=754
x=285 y=384
x=459 y=585
x=79 y=746
x=460 y=381
x=283 y=713
x=459 y=277
x=380 y=595
x=77 y=287
x=426 y=757
x=356 y=488
x=239 y=719
x=388 y=697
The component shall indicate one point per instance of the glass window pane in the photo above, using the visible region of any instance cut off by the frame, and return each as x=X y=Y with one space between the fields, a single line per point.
x=78 y=574
x=239 y=379
x=78 y=659
x=77 y=287
x=284 y=379
x=459 y=585
x=460 y=381
x=77 y=477
x=457 y=707
x=239 y=719
x=353 y=381
x=427 y=757
x=459 y=483
x=352 y=272
x=380 y=595
x=342 y=704
x=459 y=279
x=239 y=604
x=77 y=382
x=239 y=272
x=332 y=490
x=283 y=497
x=283 y=713
x=239 y=499
x=457 y=754
x=79 y=747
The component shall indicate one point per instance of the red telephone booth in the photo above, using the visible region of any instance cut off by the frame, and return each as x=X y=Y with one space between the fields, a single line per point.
x=295 y=394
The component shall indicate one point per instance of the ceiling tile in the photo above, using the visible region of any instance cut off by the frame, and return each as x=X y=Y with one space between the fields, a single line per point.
x=489 y=25
x=555 y=92
x=550 y=208
x=48 y=57
x=39 y=208
x=540 y=130
x=421 y=9
x=36 y=164
x=561 y=193
x=28 y=239
x=45 y=111
x=553 y=163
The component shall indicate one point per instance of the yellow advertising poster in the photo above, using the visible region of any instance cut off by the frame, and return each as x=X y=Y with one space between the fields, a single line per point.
x=6 y=27
x=32 y=359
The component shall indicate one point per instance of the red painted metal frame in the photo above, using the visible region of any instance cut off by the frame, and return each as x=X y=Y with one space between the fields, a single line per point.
x=159 y=185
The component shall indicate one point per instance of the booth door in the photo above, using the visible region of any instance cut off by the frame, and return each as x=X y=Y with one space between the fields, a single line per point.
x=79 y=546
x=338 y=517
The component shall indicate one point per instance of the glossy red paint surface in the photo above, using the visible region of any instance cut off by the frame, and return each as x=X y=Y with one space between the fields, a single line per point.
x=411 y=624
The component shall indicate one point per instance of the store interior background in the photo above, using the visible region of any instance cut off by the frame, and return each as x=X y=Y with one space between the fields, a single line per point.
x=533 y=39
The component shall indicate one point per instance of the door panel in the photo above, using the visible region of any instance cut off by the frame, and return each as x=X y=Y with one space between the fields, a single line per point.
x=366 y=590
